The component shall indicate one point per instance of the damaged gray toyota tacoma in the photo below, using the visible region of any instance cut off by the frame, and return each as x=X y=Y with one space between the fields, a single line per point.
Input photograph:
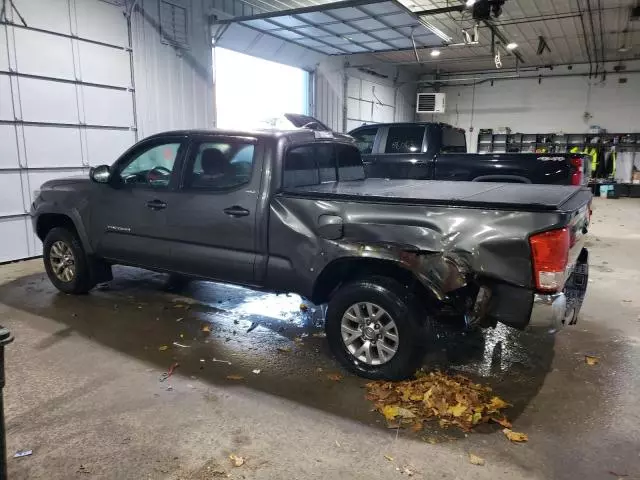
x=292 y=211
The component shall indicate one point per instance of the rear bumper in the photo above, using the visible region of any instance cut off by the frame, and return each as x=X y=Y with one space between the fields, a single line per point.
x=551 y=313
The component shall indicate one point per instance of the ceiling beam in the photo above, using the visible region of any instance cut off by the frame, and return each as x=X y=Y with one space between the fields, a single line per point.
x=438 y=11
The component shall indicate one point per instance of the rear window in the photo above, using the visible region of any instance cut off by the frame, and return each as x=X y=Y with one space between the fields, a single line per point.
x=404 y=139
x=318 y=163
x=453 y=141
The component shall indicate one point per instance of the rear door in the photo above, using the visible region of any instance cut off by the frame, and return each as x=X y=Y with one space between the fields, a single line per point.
x=402 y=153
x=214 y=224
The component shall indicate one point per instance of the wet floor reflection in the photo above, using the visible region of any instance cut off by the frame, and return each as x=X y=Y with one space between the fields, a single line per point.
x=144 y=315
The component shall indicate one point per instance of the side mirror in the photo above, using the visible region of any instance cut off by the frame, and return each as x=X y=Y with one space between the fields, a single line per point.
x=100 y=174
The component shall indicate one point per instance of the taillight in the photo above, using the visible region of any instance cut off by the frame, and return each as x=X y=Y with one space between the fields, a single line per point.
x=550 y=252
x=577 y=169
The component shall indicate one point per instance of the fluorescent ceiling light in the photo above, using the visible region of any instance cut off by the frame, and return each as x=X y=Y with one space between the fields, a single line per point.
x=435 y=30
x=435 y=53
x=512 y=46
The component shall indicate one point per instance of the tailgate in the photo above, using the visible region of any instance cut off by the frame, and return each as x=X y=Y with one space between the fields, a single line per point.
x=579 y=209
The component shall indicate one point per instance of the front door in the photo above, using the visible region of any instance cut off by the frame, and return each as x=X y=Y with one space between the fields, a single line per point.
x=129 y=215
x=213 y=227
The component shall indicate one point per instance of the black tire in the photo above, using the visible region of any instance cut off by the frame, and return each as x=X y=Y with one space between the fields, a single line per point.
x=409 y=317
x=82 y=280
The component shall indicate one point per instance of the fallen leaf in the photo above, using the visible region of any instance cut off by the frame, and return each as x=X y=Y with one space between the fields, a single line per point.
x=405 y=413
x=457 y=410
x=336 y=377
x=256 y=371
x=298 y=340
x=390 y=412
x=163 y=348
x=319 y=335
x=475 y=460
x=303 y=307
x=179 y=319
x=454 y=400
x=236 y=461
x=205 y=329
x=591 y=360
x=497 y=403
x=284 y=349
x=235 y=377
x=389 y=458
x=417 y=426
x=502 y=421
x=338 y=444
x=515 y=437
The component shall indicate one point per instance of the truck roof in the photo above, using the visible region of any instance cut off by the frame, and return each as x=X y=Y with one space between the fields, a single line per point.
x=297 y=135
x=408 y=124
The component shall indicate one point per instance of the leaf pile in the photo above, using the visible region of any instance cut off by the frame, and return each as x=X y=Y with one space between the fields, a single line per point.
x=454 y=400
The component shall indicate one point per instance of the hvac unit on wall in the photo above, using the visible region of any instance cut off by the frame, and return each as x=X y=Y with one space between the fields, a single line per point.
x=430 y=103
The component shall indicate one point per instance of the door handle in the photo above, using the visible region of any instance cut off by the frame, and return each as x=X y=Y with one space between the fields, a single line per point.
x=156 y=204
x=236 y=211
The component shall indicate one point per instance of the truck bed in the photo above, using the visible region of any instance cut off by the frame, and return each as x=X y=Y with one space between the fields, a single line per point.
x=465 y=194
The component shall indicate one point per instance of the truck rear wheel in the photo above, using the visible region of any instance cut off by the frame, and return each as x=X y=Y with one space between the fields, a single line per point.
x=66 y=262
x=374 y=327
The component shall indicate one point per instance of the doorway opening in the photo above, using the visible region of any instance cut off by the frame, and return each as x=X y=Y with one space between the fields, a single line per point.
x=255 y=93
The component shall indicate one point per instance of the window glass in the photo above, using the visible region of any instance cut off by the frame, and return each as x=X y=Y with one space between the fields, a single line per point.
x=221 y=165
x=453 y=141
x=364 y=139
x=152 y=167
x=300 y=167
x=404 y=139
x=350 y=165
x=314 y=164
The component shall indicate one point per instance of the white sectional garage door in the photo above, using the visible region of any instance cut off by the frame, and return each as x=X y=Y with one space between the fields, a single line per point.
x=66 y=103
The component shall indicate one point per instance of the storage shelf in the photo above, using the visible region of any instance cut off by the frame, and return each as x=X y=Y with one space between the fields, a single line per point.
x=554 y=142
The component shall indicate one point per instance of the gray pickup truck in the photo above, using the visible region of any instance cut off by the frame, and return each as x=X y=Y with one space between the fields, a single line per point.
x=292 y=211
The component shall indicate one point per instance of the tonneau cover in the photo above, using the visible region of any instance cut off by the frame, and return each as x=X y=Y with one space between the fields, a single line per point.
x=473 y=194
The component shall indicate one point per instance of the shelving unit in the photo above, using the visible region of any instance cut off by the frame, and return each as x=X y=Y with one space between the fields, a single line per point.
x=553 y=142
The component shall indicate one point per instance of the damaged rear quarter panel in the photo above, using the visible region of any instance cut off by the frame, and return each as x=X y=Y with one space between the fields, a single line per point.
x=478 y=242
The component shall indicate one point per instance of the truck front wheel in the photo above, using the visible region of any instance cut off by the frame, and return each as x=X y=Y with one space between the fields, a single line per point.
x=66 y=262
x=374 y=327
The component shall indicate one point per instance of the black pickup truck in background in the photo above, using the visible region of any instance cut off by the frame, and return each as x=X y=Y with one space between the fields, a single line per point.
x=437 y=151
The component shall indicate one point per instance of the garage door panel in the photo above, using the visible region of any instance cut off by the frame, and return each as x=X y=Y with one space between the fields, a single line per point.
x=11 y=194
x=103 y=106
x=4 y=58
x=45 y=101
x=17 y=246
x=382 y=114
x=56 y=60
x=102 y=22
x=351 y=124
x=8 y=147
x=353 y=87
x=51 y=15
x=105 y=146
x=52 y=147
x=6 y=108
x=353 y=108
x=104 y=65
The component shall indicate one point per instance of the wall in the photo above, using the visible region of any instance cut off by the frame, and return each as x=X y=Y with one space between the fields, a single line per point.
x=369 y=98
x=70 y=99
x=174 y=86
x=554 y=105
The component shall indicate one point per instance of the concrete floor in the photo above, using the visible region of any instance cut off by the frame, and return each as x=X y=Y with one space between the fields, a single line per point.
x=83 y=389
